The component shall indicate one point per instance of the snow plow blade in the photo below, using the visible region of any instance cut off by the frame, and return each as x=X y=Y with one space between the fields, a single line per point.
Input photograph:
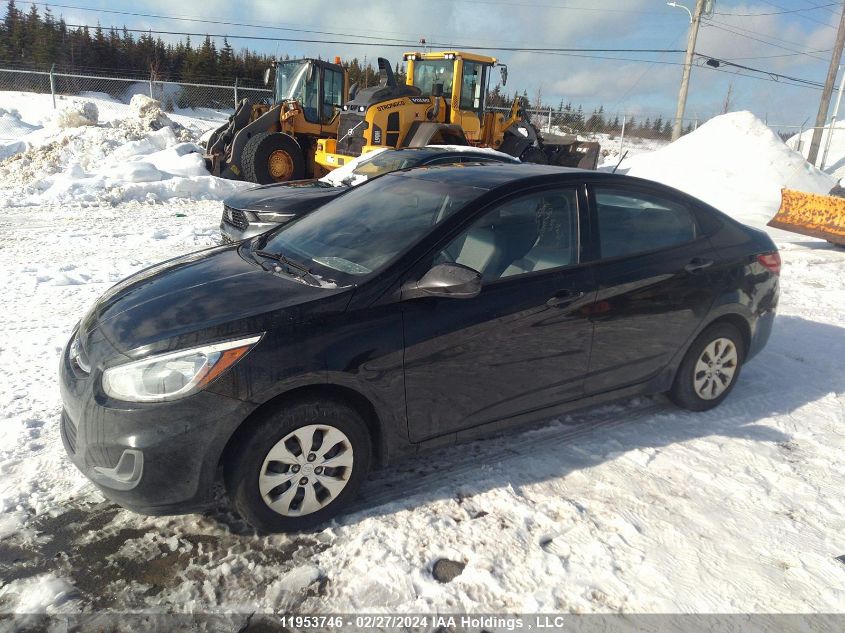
x=811 y=214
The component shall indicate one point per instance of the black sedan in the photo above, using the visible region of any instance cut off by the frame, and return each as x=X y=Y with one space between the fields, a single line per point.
x=427 y=307
x=259 y=209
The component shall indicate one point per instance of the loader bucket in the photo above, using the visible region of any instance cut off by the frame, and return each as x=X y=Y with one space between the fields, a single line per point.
x=811 y=214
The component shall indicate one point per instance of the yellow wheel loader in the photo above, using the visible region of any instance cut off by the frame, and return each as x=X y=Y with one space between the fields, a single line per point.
x=443 y=102
x=265 y=143
x=813 y=214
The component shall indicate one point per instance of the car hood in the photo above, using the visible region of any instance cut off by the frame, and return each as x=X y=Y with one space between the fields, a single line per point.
x=209 y=295
x=292 y=197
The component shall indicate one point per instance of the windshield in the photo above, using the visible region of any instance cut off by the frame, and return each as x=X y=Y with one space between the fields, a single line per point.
x=291 y=79
x=429 y=72
x=362 y=231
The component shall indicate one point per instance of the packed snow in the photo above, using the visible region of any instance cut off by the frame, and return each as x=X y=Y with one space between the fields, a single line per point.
x=635 y=508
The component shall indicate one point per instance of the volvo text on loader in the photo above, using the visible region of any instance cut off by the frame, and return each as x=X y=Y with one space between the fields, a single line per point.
x=274 y=143
x=443 y=102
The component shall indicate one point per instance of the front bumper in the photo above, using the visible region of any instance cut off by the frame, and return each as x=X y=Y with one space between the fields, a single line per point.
x=156 y=458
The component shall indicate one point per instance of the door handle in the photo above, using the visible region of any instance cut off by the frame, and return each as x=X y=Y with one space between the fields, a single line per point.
x=564 y=297
x=697 y=264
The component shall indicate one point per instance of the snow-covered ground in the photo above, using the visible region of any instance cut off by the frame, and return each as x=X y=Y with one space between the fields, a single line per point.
x=636 y=507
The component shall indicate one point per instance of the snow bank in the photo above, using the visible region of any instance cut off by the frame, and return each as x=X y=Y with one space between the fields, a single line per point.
x=734 y=162
x=145 y=156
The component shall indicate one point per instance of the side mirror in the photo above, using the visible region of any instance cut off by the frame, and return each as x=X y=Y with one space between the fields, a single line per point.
x=267 y=74
x=353 y=91
x=437 y=90
x=451 y=281
x=504 y=71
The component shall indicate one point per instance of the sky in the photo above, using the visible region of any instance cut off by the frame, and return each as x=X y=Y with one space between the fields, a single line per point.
x=789 y=37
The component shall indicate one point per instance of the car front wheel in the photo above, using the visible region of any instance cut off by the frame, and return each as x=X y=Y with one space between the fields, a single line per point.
x=710 y=368
x=299 y=466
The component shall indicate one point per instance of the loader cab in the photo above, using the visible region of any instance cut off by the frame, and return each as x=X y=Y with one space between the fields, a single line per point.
x=318 y=86
x=464 y=77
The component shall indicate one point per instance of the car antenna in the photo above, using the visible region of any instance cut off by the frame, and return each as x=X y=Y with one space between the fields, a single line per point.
x=620 y=162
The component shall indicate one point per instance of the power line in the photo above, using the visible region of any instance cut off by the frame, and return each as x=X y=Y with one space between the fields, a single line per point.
x=772 y=74
x=783 y=12
x=800 y=15
x=524 y=49
x=757 y=39
x=563 y=52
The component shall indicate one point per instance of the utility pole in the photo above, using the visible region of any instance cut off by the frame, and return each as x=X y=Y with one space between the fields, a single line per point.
x=824 y=105
x=695 y=21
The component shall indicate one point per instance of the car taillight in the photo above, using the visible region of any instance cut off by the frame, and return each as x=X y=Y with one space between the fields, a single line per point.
x=771 y=261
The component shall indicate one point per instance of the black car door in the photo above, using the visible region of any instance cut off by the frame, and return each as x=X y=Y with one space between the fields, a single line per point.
x=654 y=281
x=523 y=343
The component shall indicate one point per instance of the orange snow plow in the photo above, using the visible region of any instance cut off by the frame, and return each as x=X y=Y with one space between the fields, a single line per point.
x=811 y=214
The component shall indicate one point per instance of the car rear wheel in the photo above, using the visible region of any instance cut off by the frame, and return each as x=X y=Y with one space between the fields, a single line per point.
x=300 y=466
x=710 y=368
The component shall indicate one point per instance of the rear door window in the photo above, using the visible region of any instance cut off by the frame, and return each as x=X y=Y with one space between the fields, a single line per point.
x=632 y=222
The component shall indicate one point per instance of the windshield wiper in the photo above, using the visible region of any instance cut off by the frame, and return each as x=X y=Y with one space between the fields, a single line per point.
x=303 y=270
x=281 y=258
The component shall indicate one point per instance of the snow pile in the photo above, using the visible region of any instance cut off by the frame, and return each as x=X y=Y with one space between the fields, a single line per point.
x=29 y=119
x=734 y=162
x=145 y=156
x=77 y=114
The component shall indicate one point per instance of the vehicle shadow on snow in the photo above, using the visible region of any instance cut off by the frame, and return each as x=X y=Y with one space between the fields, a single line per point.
x=801 y=364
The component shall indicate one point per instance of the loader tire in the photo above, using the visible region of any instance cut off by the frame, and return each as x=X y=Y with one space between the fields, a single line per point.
x=534 y=155
x=269 y=158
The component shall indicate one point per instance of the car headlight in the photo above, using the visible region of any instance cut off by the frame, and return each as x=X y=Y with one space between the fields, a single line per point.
x=175 y=374
x=274 y=216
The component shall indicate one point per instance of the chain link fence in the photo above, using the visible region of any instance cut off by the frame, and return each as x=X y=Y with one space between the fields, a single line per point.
x=37 y=95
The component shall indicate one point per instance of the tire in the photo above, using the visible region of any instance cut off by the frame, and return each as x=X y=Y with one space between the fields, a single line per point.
x=534 y=155
x=267 y=158
x=251 y=473
x=693 y=388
